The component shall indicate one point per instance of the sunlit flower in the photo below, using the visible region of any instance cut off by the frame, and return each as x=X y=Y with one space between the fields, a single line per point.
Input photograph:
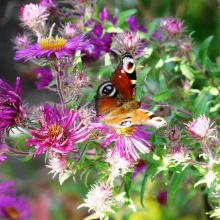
x=99 y=198
x=11 y=108
x=33 y=15
x=52 y=47
x=68 y=31
x=119 y=166
x=45 y=76
x=58 y=131
x=59 y=165
x=208 y=179
x=14 y=208
x=200 y=128
x=126 y=139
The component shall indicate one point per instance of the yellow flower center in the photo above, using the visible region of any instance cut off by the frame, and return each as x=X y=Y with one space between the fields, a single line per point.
x=12 y=213
x=56 y=44
x=126 y=131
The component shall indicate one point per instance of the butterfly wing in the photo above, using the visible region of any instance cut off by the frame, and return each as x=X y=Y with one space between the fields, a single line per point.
x=124 y=77
x=128 y=114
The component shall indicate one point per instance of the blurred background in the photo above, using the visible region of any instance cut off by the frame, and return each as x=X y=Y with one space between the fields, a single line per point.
x=49 y=199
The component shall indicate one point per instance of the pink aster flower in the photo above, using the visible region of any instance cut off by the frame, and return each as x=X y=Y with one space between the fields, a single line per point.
x=11 y=108
x=53 y=48
x=33 y=15
x=14 y=208
x=126 y=140
x=171 y=27
x=200 y=128
x=58 y=131
x=68 y=31
x=19 y=39
x=128 y=42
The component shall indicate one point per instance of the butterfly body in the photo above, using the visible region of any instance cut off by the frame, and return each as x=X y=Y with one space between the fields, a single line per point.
x=114 y=100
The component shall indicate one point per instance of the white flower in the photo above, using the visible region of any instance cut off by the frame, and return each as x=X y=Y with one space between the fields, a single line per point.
x=208 y=179
x=99 y=198
x=58 y=164
x=216 y=212
x=119 y=166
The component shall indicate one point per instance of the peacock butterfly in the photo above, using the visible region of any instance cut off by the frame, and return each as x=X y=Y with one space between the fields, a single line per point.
x=114 y=99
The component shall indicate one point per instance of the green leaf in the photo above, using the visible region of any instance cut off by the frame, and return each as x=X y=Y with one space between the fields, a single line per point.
x=26 y=158
x=110 y=28
x=97 y=9
x=123 y=15
x=152 y=26
x=203 y=51
x=91 y=95
x=96 y=215
x=163 y=95
x=165 y=176
x=186 y=71
x=213 y=74
x=202 y=107
x=175 y=181
x=127 y=185
x=150 y=170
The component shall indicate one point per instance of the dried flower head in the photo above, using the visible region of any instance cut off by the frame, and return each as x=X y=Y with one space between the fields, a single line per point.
x=68 y=31
x=119 y=166
x=127 y=42
x=11 y=107
x=80 y=80
x=174 y=134
x=99 y=198
x=58 y=131
x=85 y=115
x=200 y=128
x=33 y=15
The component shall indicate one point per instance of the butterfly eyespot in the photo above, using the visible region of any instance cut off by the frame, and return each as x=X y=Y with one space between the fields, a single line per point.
x=125 y=123
x=128 y=64
x=107 y=89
